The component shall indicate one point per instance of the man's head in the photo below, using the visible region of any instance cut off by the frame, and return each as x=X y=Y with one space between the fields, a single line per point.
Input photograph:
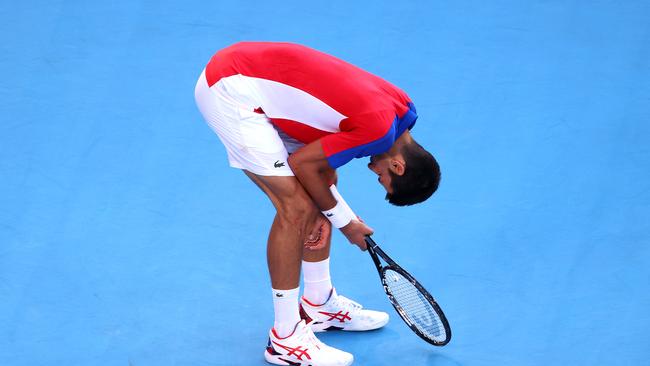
x=408 y=172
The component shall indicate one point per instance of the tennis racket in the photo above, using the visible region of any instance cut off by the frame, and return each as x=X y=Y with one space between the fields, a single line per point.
x=413 y=302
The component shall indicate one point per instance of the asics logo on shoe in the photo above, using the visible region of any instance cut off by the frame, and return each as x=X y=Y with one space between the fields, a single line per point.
x=297 y=351
x=278 y=164
x=338 y=316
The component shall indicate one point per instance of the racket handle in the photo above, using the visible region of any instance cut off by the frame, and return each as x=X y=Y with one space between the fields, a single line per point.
x=370 y=242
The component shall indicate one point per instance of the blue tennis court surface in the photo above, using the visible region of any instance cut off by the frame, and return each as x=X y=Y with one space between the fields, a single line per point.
x=126 y=240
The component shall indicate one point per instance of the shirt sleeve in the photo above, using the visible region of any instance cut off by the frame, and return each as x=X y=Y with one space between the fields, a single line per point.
x=363 y=135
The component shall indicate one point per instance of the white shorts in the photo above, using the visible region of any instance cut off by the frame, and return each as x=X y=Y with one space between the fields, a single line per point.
x=251 y=140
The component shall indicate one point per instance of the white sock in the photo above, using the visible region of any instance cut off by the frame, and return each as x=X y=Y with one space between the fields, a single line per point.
x=287 y=314
x=318 y=284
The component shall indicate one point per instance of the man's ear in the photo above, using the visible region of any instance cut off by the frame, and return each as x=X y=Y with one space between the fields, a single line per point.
x=397 y=165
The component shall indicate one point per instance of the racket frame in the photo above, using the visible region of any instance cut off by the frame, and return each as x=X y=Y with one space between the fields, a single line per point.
x=375 y=252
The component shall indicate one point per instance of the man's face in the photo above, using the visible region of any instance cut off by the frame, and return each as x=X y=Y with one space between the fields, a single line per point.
x=380 y=165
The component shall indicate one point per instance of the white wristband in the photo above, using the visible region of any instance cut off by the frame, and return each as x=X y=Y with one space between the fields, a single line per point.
x=339 y=199
x=341 y=214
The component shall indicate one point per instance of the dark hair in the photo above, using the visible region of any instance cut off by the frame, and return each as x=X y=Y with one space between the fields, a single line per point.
x=420 y=179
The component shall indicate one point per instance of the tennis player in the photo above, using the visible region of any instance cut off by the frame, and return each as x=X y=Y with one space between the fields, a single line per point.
x=288 y=116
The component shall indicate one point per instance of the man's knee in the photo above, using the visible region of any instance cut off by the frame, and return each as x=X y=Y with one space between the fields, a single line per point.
x=293 y=204
x=298 y=211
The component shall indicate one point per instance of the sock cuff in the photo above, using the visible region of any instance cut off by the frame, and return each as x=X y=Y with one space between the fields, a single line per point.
x=316 y=271
x=291 y=293
x=311 y=280
x=316 y=265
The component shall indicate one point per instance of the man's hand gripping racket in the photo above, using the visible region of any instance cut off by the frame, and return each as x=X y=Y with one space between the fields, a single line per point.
x=411 y=300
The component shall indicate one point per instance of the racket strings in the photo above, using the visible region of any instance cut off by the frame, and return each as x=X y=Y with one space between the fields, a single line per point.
x=416 y=307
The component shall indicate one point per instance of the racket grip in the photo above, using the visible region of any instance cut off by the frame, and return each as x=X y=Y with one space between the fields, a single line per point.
x=371 y=243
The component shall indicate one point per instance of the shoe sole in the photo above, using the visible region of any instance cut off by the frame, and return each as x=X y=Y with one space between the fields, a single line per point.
x=280 y=360
x=326 y=327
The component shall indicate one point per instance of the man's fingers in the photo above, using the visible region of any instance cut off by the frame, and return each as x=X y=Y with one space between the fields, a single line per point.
x=363 y=246
x=315 y=235
x=317 y=246
x=319 y=236
x=367 y=230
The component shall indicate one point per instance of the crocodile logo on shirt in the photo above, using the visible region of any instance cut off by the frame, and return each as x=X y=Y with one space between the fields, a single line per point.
x=278 y=164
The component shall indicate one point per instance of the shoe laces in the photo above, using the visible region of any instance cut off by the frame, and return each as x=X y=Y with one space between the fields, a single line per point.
x=306 y=335
x=347 y=304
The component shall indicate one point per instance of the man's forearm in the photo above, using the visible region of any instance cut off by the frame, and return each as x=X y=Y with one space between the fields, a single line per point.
x=316 y=186
x=315 y=175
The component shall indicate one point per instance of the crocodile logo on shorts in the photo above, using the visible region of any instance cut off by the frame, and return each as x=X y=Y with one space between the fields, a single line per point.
x=278 y=164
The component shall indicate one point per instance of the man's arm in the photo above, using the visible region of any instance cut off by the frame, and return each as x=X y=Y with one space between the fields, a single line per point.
x=311 y=168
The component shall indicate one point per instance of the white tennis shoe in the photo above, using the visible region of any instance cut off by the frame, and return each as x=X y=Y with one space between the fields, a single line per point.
x=302 y=348
x=341 y=313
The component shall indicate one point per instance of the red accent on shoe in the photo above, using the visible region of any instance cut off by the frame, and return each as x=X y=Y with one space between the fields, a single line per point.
x=314 y=305
x=304 y=315
x=309 y=303
x=297 y=351
x=338 y=316
x=275 y=334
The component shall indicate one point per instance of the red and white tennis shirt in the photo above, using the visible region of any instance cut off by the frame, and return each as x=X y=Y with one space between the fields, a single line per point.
x=311 y=95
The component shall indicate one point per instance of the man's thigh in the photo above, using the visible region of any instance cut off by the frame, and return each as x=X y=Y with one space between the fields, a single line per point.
x=283 y=191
